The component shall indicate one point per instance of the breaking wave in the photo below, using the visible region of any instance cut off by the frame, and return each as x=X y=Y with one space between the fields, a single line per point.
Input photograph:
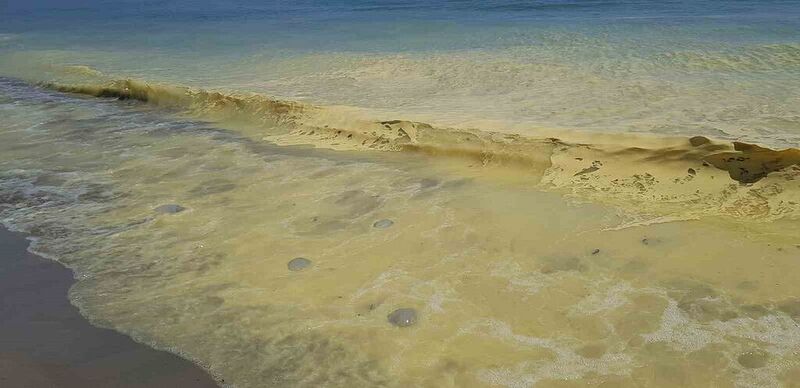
x=737 y=179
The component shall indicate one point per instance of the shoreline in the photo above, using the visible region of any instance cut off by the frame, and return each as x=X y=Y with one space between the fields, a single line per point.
x=46 y=342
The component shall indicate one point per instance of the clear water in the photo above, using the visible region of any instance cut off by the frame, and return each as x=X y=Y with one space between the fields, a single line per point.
x=720 y=68
x=620 y=254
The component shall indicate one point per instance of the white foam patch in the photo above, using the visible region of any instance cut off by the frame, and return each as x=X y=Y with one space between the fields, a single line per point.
x=567 y=365
x=680 y=332
x=762 y=377
x=780 y=332
x=776 y=334
x=603 y=300
x=639 y=222
x=779 y=336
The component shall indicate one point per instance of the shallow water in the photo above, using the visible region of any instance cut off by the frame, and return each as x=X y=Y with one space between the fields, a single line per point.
x=714 y=68
x=512 y=285
x=549 y=221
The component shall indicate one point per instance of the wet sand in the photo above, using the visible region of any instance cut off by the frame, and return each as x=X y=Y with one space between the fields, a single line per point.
x=45 y=342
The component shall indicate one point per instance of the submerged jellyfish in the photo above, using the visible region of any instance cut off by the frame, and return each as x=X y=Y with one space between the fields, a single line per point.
x=753 y=359
x=298 y=264
x=383 y=224
x=403 y=317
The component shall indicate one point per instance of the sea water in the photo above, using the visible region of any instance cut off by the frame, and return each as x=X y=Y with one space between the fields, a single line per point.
x=551 y=222
x=720 y=68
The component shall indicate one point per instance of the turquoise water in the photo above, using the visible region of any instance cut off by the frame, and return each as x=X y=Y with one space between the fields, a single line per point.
x=728 y=69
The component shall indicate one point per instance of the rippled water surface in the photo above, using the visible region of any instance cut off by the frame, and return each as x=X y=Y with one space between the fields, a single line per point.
x=512 y=285
x=727 y=69
x=519 y=174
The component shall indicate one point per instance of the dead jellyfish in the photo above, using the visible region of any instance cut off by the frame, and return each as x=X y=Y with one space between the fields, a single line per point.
x=298 y=264
x=403 y=317
x=170 y=209
x=753 y=359
x=383 y=224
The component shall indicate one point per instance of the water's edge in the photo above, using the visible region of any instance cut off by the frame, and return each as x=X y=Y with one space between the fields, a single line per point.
x=172 y=366
x=601 y=167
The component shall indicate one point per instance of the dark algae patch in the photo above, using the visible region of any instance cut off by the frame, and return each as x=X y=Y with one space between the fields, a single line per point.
x=750 y=163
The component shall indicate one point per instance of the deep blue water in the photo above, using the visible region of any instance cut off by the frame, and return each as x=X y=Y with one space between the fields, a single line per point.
x=383 y=25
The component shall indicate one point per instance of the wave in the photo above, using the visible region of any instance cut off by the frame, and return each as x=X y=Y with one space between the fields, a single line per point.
x=290 y=122
x=662 y=172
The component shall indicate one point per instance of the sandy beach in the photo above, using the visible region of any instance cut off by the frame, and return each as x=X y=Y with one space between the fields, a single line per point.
x=45 y=342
